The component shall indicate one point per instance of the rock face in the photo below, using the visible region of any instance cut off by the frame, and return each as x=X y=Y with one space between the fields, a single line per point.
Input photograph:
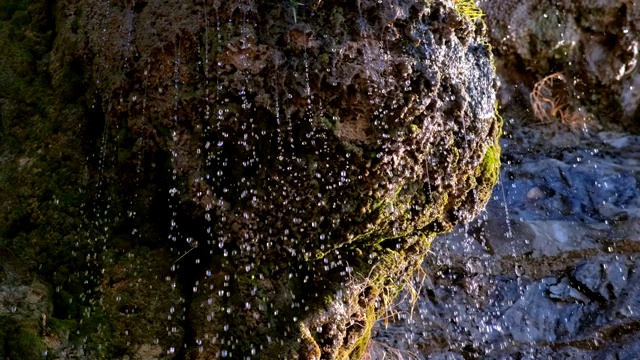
x=556 y=275
x=249 y=179
x=551 y=269
x=593 y=43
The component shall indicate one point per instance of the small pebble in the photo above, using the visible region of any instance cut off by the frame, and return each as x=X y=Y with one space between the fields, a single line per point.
x=535 y=193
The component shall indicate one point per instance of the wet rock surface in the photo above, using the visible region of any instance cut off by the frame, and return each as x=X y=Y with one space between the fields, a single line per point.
x=551 y=269
x=247 y=179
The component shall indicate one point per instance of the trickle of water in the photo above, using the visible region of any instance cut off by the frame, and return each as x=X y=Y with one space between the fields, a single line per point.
x=306 y=77
x=104 y=30
x=363 y=30
x=218 y=62
x=509 y=232
x=128 y=21
x=176 y=80
x=174 y=194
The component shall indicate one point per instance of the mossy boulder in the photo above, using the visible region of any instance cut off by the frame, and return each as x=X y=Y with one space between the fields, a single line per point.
x=250 y=179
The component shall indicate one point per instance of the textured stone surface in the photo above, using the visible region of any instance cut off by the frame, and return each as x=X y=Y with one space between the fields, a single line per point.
x=551 y=269
x=236 y=179
x=556 y=276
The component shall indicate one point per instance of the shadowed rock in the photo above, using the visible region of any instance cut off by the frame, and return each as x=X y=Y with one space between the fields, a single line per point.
x=262 y=176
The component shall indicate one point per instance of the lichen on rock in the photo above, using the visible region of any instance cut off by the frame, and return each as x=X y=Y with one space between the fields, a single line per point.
x=283 y=165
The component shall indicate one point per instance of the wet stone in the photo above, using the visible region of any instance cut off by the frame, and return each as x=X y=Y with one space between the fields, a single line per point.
x=533 y=282
x=219 y=179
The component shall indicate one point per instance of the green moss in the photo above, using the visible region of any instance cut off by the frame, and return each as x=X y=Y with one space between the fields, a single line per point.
x=61 y=327
x=41 y=172
x=20 y=19
x=490 y=165
x=309 y=342
x=22 y=339
x=496 y=107
x=357 y=352
x=328 y=124
x=324 y=59
x=353 y=149
x=381 y=284
x=468 y=9
x=489 y=170
x=9 y=7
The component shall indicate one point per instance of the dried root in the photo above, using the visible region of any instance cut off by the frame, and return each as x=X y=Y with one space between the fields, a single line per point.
x=552 y=100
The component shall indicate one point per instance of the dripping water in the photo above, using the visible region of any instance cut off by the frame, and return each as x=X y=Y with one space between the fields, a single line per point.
x=127 y=48
x=366 y=55
x=99 y=213
x=306 y=78
x=174 y=200
x=509 y=233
